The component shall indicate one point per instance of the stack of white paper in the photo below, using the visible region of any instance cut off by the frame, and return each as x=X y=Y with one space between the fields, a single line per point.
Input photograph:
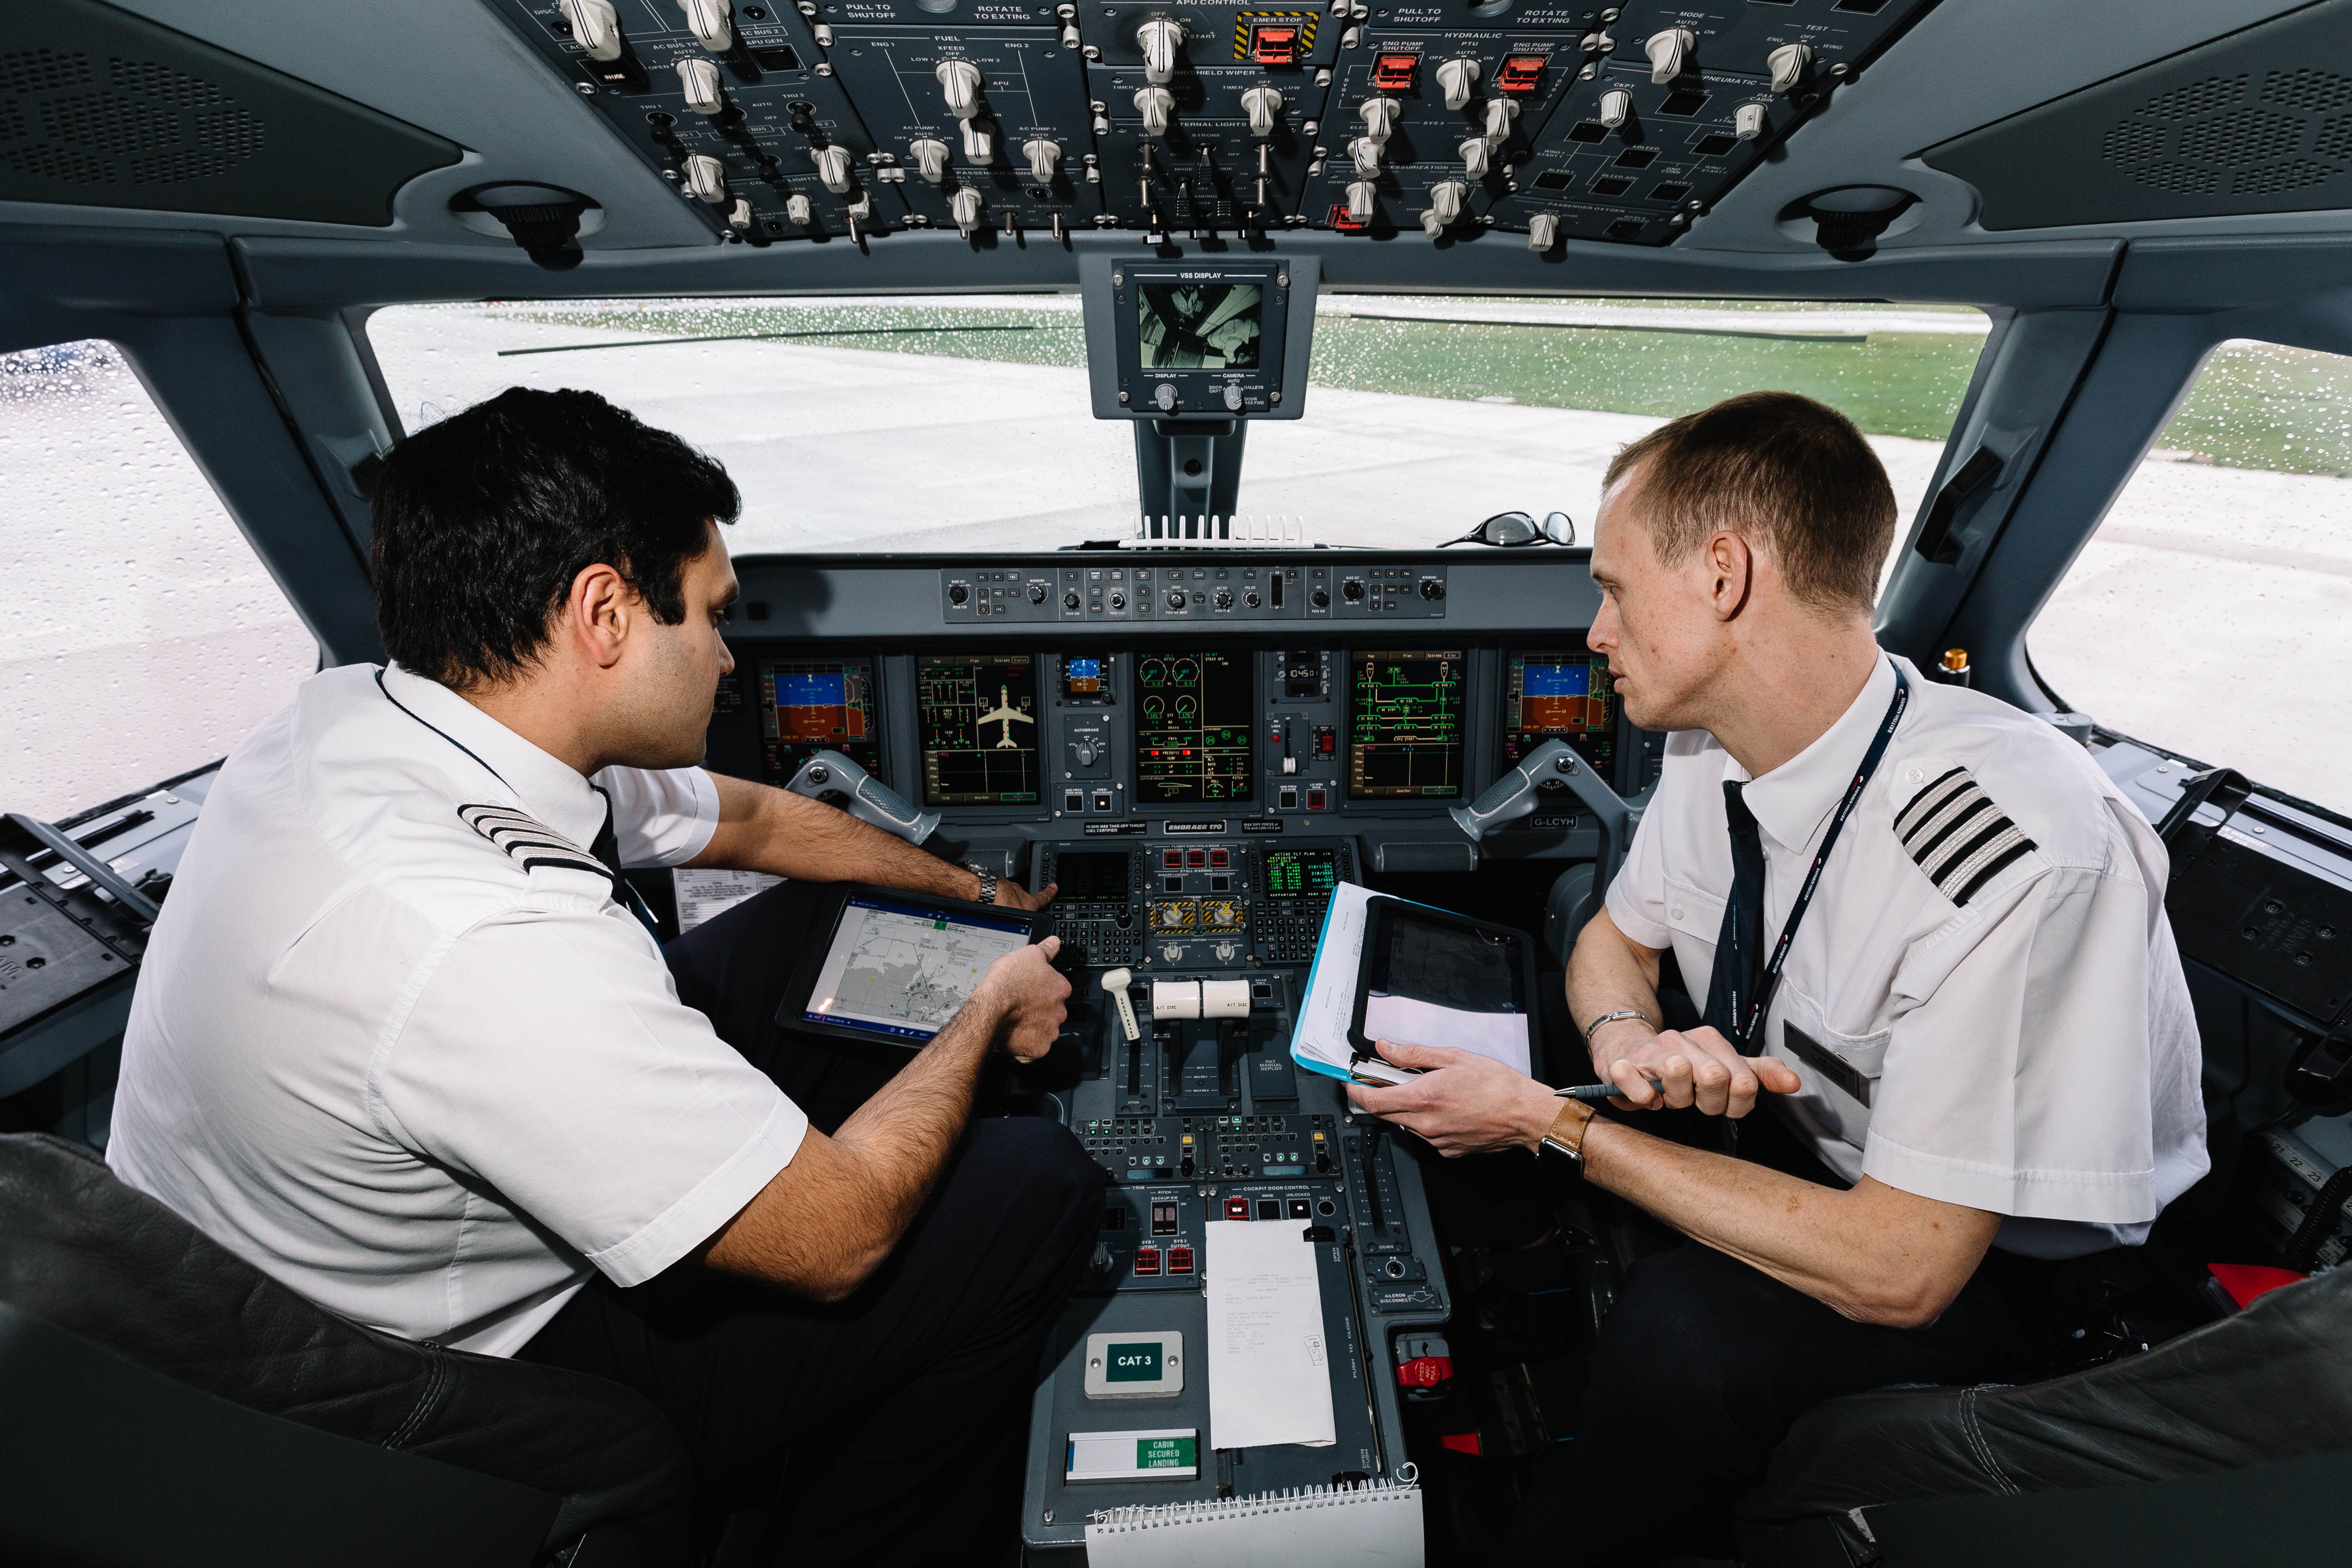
x=1269 y=1370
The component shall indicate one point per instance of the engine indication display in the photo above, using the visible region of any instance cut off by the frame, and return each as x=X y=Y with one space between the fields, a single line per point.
x=1295 y=876
x=1405 y=720
x=812 y=705
x=979 y=720
x=1195 y=733
x=1559 y=694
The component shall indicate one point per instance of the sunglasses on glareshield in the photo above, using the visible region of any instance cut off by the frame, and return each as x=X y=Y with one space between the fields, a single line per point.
x=1516 y=529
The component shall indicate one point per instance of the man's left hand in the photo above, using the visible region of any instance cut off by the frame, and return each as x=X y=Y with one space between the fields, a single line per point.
x=1012 y=896
x=1462 y=1103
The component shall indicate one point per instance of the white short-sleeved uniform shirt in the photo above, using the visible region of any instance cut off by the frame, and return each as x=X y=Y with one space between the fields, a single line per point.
x=1983 y=1001
x=430 y=1075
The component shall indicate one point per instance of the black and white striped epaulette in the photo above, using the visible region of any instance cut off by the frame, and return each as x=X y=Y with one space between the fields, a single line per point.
x=529 y=841
x=1958 y=836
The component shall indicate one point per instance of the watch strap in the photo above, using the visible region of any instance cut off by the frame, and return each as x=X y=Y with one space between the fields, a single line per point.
x=987 y=883
x=1566 y=1133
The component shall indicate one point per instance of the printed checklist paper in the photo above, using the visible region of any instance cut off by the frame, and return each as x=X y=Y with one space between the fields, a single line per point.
x=1269 y=1368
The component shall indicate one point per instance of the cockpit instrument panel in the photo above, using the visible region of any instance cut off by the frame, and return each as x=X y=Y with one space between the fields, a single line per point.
x=1559 y=694
x=1087 y=678
x=811 y=705
x=1298 y=876
x=1195 y=727
x=979 y=720
x=1405 y=724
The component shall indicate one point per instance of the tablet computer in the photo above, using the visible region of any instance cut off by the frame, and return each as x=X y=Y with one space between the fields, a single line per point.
x=1430 y=977
x=891 y=967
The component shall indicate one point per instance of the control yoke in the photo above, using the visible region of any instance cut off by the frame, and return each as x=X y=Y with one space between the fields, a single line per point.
x=1512 y=796
x=865 y=798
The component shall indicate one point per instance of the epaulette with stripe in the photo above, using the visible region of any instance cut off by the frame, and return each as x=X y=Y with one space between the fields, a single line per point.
x=529 y=841
x=1957 y=836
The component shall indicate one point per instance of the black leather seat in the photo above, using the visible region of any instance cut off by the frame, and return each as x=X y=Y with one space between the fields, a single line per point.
x=2237 y=1421
x=161 y=1401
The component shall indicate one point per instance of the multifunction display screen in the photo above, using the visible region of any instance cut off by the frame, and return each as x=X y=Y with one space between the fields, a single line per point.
x=979 y=720
x=1559 y=694
x=1199 y=326
x=1297 y=875
x=1405 y=724
x=812 y=705
x=1195 y=727
x=1092 y=875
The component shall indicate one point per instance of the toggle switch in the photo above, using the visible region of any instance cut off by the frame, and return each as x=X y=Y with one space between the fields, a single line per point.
x=960 y=81
x=832 y=168
x=1457 y=77
x=1616 y=107
x=1154 y=103
x=596 y=27
x=1669 y=52
x=698 y=77
x=1788 y=65
x=706 y=177
x=1263 y=107
x=1042 y=156
x=965 y=206
x=709 y=21
x=1543 y=232
x=931 y=158
x=1748 y=123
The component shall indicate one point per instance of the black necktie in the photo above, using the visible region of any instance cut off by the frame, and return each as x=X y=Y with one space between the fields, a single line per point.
x=1739 y=946
x=607 y=848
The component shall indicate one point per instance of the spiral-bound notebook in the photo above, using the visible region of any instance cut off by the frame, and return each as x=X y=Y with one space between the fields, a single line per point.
x=1377 y=1525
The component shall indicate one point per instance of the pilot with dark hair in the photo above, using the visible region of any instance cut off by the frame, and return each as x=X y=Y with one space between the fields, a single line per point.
x=1923 y=927
x=405 y=1041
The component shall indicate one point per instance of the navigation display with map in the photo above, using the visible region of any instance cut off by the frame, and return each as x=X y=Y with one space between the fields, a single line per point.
x=899 y=971
x=979 y=730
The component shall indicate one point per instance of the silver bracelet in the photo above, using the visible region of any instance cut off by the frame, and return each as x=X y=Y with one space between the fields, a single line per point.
x=1612 y=1018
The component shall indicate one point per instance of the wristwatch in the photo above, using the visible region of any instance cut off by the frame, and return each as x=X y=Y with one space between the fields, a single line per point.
x=987 y=883
x=1567 y=1132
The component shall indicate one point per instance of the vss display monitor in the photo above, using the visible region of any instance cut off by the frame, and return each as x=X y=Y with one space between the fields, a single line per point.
x=811 y=705
x=979 y=724
x=1559 y=694
x=1405 y=724
x=1202 y=338
x=1195 y=729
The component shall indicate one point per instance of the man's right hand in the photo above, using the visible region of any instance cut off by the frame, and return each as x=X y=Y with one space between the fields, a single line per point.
x=1027 y=994
x=1677 y=1069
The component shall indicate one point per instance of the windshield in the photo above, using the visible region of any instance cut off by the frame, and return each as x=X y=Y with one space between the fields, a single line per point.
x=963 y=422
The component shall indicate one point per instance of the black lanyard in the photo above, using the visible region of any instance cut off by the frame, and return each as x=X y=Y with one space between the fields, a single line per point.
x=1748 y=1014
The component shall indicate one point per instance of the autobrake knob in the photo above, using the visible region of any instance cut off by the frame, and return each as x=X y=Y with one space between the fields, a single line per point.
x=1160 y=38
x=960 y=81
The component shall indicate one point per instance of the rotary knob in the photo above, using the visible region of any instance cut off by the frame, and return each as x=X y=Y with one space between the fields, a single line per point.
x=1669 y=52
x=1263 y=107
x=1352 y=590
x=1380 y=116
x=1543 y=232
x=797 y=209
x=960 y=81
x=1500 y=112
x=1164 y=394
x=697 y=79
x=1037 y=592
x=1085 y=752
x=1457 y=77
x=1748 y=123
x=1616 y=107
x=1788 y=65
x=1361 y=196
x=596 y=27
x=1364 y=151
x=1476 y=157
x=1117 y=600
x=1233 y=399
x=931 y=158
x=1070 y=601
x=1042 y=156
x=1224 y=598
x=1175 y=598
x=832 y=168
x=709 y=21
x=1160 y=38
x=1155 y=104
x=706 y=177
x=1251 y=599
x=1320 y=598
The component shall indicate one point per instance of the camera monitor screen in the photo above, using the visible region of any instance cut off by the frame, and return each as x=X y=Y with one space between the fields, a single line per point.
x=1199 y=326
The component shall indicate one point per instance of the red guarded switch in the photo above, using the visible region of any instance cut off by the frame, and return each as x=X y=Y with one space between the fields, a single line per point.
x=1520 y=73
x=1237 y=1208
x=1179 y=1260
x=1425 y=1372
x=1274 y=43
x=1394 y=73
x=1147 y=1260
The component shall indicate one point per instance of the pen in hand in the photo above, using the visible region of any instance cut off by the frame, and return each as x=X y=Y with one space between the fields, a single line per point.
x=1593 y=1093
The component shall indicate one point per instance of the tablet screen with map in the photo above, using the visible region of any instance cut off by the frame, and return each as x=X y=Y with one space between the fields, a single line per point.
x=898 y=965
